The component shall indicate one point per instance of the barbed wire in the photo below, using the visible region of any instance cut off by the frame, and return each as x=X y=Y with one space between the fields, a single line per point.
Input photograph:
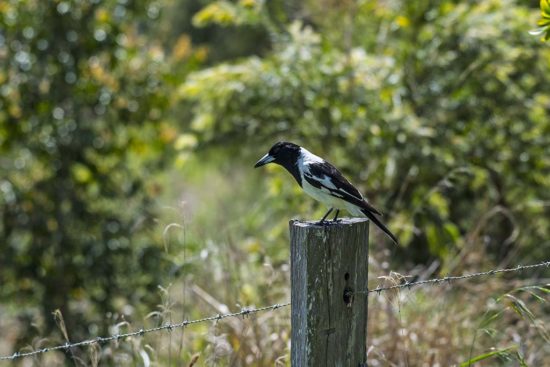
x=249 y=311
x=101 y=340
x=449 y=279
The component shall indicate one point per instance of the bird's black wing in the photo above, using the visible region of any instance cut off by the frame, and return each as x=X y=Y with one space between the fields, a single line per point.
x=324 y=175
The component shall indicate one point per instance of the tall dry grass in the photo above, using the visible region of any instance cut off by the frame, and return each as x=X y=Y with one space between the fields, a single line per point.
x=221 y=263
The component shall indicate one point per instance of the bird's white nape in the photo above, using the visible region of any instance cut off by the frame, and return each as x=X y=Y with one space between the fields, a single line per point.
x=307 y=157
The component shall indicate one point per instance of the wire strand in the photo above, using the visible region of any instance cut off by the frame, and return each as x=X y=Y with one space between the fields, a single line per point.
x=101 y=340
x=249 y=311
x=449 y=279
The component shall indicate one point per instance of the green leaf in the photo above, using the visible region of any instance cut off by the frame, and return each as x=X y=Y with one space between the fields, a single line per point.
x=544 y=23
x=520 y=307
x=481 y=357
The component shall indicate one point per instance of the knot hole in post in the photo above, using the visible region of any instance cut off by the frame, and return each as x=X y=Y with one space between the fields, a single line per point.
x=348 y=291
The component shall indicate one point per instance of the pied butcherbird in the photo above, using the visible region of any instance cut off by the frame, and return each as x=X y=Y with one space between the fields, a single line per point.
x=322 y=181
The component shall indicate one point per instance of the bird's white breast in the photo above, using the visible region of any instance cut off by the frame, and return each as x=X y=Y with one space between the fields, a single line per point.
x=323 y=196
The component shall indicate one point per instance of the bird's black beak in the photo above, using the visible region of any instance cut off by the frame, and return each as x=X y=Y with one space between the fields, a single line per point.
x=265 y=160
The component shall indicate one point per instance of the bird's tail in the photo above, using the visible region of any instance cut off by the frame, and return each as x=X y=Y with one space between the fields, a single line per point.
x=379 y=224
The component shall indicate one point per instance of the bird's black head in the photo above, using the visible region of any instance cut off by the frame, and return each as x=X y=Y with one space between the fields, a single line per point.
x=284 y=153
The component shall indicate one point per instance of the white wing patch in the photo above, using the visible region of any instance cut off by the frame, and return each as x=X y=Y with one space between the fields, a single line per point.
x=325 y=181
x=328 y=186
x=350 y=194
x=333 y=193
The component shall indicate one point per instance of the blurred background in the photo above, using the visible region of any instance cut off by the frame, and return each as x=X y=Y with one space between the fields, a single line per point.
x=128 y=133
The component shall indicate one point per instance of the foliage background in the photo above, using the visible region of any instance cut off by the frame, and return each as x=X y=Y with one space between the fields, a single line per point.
x=128 y=130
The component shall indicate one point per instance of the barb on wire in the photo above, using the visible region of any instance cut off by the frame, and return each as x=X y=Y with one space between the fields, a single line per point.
x=409 y=285
x=101 y=340
x=248 y=311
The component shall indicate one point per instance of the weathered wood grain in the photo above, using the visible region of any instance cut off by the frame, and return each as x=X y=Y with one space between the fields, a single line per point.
x=329 y=327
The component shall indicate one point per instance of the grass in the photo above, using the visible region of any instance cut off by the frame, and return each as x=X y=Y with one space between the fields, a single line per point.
x=229 y=249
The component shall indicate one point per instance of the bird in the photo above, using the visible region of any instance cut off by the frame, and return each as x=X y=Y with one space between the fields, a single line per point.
x=322 y=181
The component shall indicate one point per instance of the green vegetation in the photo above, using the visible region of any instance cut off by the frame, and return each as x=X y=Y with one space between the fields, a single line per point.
x=128 y=131
x=544 y=23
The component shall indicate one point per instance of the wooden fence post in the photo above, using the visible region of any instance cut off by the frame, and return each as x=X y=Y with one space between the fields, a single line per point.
x=329 y=327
